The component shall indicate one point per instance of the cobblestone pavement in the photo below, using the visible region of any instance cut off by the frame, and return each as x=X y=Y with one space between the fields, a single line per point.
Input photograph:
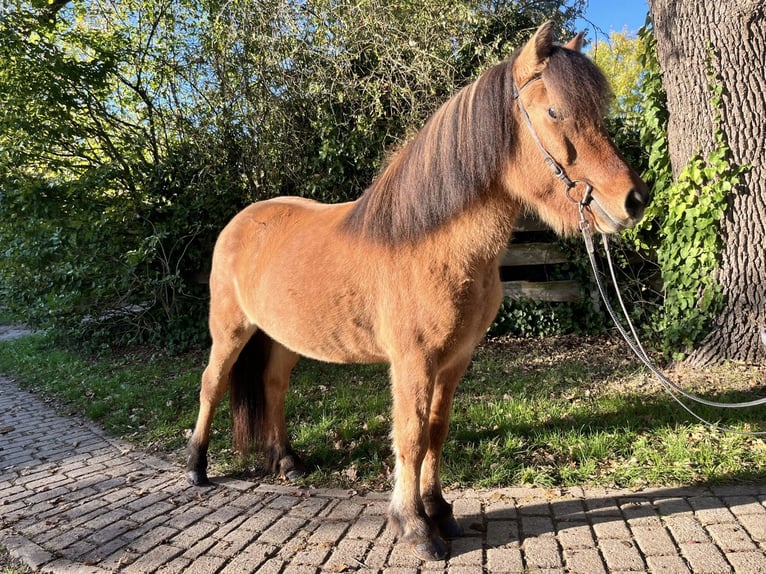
x=75 y=501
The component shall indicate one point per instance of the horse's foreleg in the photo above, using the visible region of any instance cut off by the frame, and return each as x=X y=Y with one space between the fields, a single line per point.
x=215 y=381
x=436 y=507
x=276 y=378
x=412 y=387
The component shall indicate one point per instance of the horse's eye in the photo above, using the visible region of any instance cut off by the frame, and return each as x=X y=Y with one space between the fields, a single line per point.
x=553 y=114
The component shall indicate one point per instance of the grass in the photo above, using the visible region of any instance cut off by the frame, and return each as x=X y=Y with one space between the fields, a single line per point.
x=10 y=565
x=549 y=412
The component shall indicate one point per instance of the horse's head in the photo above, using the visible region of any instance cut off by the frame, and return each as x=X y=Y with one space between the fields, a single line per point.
x=564 y=150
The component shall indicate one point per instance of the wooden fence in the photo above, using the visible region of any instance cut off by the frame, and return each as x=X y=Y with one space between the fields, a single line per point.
x=523 y=265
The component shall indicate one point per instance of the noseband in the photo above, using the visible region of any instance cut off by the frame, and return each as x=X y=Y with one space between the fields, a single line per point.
x=553 y=165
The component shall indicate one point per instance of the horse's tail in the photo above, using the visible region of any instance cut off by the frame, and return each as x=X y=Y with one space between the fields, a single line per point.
x=247 y=393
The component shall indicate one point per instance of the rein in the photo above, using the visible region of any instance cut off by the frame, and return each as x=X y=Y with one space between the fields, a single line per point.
x=631 y=338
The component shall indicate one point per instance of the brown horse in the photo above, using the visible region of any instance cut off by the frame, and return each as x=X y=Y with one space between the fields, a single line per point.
x=408 y=273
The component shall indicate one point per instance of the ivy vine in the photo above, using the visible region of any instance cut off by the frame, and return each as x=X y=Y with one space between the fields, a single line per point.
x=682 y=225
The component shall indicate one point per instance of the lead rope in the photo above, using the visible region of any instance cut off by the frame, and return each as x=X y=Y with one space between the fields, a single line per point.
x=635 y=345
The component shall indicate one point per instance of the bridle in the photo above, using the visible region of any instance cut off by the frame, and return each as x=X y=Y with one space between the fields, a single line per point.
x=553 y=165
x=585 y=227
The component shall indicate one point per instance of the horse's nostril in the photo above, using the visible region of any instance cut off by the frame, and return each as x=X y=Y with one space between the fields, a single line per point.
x=636 y=202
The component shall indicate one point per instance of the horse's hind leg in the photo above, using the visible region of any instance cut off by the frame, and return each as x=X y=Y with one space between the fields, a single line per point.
x=227 y=345
x=438 y=509
x=276 y=377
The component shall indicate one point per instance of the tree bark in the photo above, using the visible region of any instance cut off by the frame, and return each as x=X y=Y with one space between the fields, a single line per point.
x=736 y=32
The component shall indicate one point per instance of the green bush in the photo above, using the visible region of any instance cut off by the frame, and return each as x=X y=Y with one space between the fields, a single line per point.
x=132 y=133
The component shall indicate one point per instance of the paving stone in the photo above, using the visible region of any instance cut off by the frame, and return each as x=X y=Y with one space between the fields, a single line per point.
x=746 y=562
x=347 y=555
x=501 y=509
x=686 y=529
x=314 y=554
x=291 y=568
x=470 y=569
x=346 y=511
x=66 y=537
x=745 y=505
x=377 y=556
x=537 y=526
x=705 y=558
x=533 y=506
x=279 y=532
x=151 y=538
x=176 y=566
x=401 y=556
x=667 y=565
x=711 y=510
x=585 y=560
x=29 y=552
x=465 y=551
x=731 y=537
x=609 y=527
x=502 y=533
x=569 y=511
x=187 y=515
x=261 y=520
x=154 y=559
x=501 y=560
x=653 y=540
x=250 y=559
x=755 y=524
x=541 y=553
x=576 y=535
x=602 y=507
x=328 y=532
x=309 y=508
x=367 y=526
x=621 y=555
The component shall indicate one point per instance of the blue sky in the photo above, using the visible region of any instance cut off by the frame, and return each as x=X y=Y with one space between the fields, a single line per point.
x=613 y=16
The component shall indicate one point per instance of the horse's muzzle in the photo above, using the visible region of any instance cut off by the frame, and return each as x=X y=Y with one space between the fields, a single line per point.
x=636 y=202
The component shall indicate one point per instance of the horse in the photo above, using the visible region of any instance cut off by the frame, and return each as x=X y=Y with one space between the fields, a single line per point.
x=408 y=273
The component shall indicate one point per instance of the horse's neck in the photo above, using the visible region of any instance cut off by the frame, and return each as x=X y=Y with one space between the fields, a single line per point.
x=480 y=232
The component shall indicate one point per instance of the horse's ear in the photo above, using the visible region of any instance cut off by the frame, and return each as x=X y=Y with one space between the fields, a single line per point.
x=576 y=42
x=534 y=55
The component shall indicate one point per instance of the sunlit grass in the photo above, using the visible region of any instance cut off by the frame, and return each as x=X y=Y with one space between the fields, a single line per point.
x=551 y=413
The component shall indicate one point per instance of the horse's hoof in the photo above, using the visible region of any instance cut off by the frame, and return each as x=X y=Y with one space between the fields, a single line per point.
x=291 y=467
x=293 y=475
x=430 y=550
x=198 y=478
x=449 y=528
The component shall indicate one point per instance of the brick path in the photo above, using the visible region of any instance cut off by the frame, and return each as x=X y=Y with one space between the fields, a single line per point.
x=74 y=501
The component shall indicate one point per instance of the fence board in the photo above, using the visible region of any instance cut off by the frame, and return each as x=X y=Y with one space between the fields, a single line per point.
x=555 y=291
x=531 y=254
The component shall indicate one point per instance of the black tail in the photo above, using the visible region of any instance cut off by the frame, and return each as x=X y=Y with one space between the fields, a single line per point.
x=246 y=391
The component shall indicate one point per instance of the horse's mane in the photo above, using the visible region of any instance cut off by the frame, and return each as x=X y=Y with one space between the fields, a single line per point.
x=458 y=155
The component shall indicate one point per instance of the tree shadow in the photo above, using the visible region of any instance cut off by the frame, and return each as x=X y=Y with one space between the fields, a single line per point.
x=618 y=529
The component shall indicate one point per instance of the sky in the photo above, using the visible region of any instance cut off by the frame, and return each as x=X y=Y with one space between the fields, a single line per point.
x=612 y=16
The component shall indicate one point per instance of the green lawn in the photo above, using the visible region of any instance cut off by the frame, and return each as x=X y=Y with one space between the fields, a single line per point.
x=549 y=412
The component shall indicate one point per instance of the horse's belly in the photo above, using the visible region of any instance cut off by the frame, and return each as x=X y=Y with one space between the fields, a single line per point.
x=321 y=311
x=332 y=335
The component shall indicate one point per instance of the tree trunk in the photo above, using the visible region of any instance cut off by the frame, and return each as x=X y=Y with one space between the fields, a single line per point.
x=736 y=32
